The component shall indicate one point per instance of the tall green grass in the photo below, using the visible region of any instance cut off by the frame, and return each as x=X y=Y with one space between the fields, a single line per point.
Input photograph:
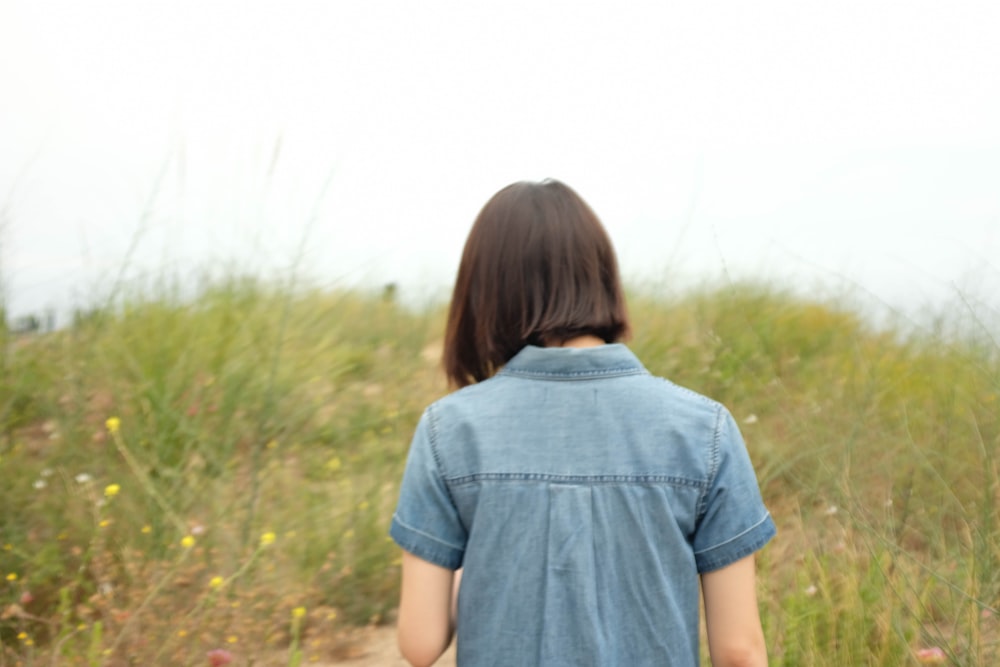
x=259 y=435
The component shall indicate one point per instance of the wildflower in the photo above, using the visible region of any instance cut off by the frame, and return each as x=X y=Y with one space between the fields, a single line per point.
x=104 y=523
x=27 y=598
x=216 y=582
x=232 y=639
x=40 y=484
x=298 y=612
x=83 y=478
x=146 y=530
x=750 y=419
x=22 y=635
x=182 y=633
x=333 y=464
x=219 y=657
x=187 y=542
x=931 y=656
x=811 y=590
x=197 y=529
x=272 y=444
x=831 y=510
x=12 y=576
x=267 y=539
x=111 y=490
x=113 y=424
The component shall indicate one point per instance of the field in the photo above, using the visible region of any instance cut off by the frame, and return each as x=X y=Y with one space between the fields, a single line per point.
x=186 y=474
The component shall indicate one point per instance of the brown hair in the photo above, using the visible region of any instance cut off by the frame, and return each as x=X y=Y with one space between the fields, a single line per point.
x=538 y=269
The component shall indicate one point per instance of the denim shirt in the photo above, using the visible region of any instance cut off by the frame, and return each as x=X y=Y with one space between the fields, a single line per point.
x=583 y=497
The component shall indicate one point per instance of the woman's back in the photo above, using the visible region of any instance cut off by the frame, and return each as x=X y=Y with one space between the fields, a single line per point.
x=582 y=496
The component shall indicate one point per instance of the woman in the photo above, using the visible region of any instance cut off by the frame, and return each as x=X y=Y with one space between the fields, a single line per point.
x=583 y=499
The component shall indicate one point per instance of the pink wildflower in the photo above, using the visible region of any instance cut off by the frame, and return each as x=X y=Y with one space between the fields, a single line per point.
x=931 y=656
x=219 y=657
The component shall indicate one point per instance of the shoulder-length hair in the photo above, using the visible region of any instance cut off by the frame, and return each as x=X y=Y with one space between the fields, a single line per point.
x=538 y=269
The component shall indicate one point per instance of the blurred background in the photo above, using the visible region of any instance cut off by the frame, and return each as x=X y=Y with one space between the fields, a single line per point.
x=833 y=147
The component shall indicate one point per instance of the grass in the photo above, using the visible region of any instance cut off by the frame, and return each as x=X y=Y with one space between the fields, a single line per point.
x=185 y=475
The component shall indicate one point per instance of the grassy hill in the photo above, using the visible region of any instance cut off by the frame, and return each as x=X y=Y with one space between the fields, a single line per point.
x=182 y=475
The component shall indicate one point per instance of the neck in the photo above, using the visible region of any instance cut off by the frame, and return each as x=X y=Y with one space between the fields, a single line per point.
x=582 y=341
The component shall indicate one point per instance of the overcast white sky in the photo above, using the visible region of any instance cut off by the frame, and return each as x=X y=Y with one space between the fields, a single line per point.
x=851 y=142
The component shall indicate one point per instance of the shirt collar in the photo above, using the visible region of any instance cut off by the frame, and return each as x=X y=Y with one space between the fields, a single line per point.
x=574 y=362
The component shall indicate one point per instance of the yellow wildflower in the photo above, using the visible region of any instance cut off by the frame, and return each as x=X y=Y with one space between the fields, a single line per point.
x=267 y=539
x=146 y=530
x=22 y=635
x=113 y=424
x=298 y=612
x=187 y=542
x=334 y=464
x=12 y=576
x=111 y=490
x=104 y=523
x=182 y=633
x=216 y=582
x=232 y=639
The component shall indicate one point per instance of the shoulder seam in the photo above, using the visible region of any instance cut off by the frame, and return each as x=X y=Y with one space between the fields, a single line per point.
x=432 y=439
x=713 y=459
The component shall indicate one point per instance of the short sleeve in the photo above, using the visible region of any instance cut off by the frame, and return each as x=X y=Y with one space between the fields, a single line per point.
x=426 y=522
x=733 y=521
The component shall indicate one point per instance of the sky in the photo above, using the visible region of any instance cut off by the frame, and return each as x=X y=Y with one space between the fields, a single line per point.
x=820 y=146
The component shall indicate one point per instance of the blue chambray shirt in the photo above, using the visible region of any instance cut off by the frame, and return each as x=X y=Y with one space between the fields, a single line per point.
x=583 y=496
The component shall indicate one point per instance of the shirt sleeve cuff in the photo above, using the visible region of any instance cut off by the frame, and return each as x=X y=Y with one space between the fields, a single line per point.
x=427 y=547
x=741 y=546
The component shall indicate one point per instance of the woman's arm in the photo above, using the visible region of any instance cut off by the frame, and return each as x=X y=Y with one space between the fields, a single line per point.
x=735 y=637
x=425 y=611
